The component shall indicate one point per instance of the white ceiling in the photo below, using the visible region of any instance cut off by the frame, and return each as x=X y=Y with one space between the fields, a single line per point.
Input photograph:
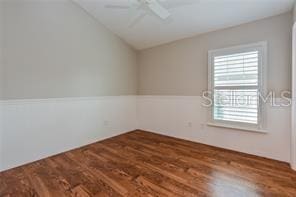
x=192 y=18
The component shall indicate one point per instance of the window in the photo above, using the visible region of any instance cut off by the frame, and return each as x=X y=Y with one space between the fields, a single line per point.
x=236 y=80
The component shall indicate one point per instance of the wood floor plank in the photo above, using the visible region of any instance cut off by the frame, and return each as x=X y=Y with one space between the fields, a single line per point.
x=141 y=163
x=175 y=171
x=169 y=156
x=222 y=166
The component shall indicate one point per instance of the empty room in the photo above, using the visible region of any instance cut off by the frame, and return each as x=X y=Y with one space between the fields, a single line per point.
x=147 y=98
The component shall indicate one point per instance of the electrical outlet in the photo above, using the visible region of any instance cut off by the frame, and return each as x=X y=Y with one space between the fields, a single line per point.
x=189 y=124
x=202 y=126
x=106 y=123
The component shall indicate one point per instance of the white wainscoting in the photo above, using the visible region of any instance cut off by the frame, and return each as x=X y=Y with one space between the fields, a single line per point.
x=185 y=117
x=35 y=129
x=293 y=136
x=293 y=114
x=1 y=138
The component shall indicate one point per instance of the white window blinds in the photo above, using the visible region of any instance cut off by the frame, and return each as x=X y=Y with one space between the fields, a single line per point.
x=236 y=84
x=239 y=69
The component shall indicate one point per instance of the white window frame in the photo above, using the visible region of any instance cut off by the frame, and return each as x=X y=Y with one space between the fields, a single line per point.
x=262 y=77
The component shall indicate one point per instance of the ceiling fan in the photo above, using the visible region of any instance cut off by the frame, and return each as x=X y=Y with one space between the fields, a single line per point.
x=142 y=8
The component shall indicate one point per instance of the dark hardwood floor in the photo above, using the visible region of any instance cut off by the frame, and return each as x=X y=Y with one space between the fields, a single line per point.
x=145 y=164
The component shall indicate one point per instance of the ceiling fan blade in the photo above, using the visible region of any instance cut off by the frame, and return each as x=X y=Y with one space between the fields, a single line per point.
x=117 y=6
x=136 y=20
x=158 y=9
x=172 y=4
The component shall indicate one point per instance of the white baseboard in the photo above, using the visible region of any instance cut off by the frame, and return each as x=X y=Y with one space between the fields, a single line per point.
x=293 y=166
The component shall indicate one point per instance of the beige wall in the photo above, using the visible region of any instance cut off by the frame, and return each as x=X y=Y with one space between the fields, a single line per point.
x=1 y=46
x=180 y=68
x=294 y=12
x=55 y=49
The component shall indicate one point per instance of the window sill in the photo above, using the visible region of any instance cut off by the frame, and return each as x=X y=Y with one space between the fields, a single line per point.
x=236 y=127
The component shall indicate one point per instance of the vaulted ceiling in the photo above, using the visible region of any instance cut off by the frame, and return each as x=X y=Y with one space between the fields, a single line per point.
x=188 y=18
